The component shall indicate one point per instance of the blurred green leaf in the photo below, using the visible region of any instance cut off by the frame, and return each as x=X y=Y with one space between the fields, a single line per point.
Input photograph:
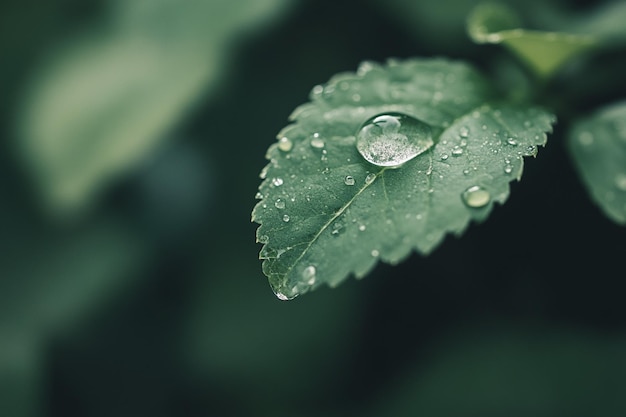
x=103 y=102
x=544 y=52
x=326 y=212
x=597 y=145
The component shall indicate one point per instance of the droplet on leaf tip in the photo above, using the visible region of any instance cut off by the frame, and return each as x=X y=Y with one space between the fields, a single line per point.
x=282 y=296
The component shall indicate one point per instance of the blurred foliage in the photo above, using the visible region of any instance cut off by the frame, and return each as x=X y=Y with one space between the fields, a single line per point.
x=103 y=101
x=148 y=300
x=598 y=148
x=544 y=52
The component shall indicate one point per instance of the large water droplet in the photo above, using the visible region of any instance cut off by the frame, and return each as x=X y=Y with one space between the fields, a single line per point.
x=476 y=196
x=370 y=178
x=277 y=182
x=285 y=218
x=349 y=180
x=392 y=139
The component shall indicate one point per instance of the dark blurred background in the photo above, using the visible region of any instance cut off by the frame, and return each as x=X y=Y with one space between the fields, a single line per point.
x=130 y=285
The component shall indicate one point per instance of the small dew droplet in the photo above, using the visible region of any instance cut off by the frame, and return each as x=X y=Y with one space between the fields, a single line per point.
x=457 y=152
x=444 y=156
x=317 y=90
x=370 y=178
x=285 y=218
x=284 y=144
x=258 y=196
x=317 y=143
x=349 y=180
x=476 y=196
x=508 y=169
x=392 y=139
x=375 y=253
x=464 y=132
x=620 y=181
x=585 y=138
x=279 y=204
x=511 y=142
x=308 y=274
x=362 y=227
x=531 y=150
x=277 y=182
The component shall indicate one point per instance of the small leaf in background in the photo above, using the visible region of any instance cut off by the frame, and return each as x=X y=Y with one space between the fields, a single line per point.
x=383 y=162
x=108 y=99
x=544 y=52
x=598 y=148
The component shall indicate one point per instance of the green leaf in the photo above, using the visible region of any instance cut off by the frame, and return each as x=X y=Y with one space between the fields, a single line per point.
x=105 y=100
x=598 y=148
x=544 y=52
x=317 y=228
